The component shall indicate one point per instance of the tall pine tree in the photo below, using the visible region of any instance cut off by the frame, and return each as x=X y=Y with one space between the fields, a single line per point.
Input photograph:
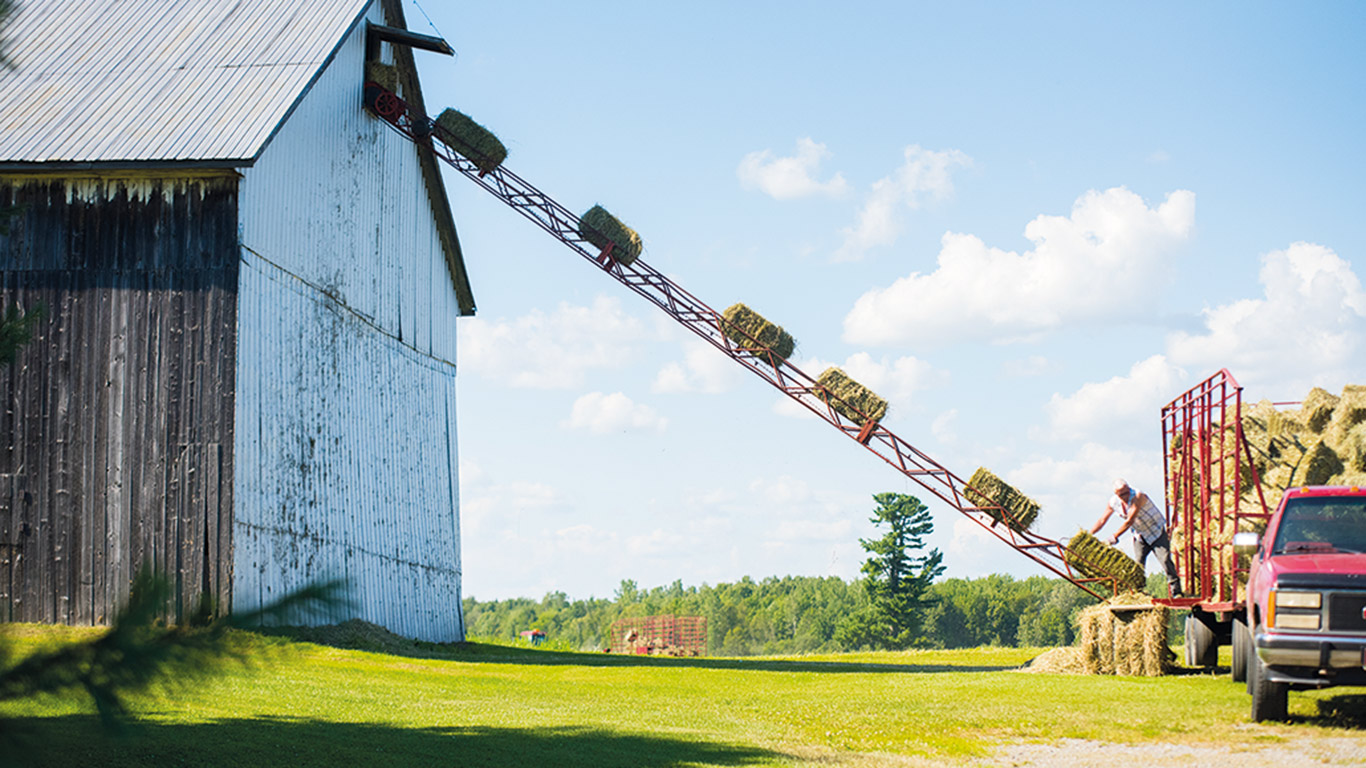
x=896 y=578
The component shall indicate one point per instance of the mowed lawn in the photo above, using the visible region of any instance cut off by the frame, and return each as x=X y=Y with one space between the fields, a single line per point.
x=489 y=705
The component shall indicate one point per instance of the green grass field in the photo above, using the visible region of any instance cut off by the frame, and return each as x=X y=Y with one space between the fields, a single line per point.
x=489 y=705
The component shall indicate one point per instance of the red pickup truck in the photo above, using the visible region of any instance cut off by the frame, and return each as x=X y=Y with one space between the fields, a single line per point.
x=1306 y=598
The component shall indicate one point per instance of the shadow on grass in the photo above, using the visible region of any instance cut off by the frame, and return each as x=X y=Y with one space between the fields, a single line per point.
x=79 y=740
x=478 y=653
x=1342 y=711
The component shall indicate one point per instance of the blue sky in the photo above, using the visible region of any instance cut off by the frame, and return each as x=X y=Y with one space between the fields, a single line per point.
x=1028 y=226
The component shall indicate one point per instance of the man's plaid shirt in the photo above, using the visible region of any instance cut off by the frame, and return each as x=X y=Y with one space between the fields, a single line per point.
x=1148 y=523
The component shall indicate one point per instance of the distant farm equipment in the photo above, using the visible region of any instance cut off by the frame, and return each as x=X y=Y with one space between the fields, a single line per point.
x=660 y=635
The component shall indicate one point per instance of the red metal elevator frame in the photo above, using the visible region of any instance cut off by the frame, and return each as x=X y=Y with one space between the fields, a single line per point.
x=707 y=324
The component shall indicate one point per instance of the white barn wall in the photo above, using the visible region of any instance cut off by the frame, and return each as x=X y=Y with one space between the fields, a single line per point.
x=345 y=427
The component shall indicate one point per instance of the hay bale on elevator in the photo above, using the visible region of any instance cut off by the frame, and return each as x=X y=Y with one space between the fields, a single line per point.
x=1095 y=559
x=471 y=140
x=987 y=490
x=744 y=326
x=599 y=227
x=383 y=75
x=850 y=393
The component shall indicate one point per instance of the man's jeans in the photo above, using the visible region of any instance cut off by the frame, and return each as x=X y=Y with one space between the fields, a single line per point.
x=1162 y=548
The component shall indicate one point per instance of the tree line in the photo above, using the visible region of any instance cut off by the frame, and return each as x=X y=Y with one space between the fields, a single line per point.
x=800 y=614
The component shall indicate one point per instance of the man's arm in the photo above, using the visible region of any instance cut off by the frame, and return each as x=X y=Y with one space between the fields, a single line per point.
x=1130 y=512
x=1105 y=518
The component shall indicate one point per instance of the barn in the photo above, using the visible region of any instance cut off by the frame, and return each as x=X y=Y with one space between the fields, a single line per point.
x=245 y=372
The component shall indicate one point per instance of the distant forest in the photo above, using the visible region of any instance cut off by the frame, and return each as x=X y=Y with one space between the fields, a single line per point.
x=798 y=614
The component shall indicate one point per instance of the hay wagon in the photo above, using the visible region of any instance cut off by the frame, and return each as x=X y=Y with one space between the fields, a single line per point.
x=1268 y=518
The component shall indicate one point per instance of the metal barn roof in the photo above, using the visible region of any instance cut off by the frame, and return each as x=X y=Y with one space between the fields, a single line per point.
x=148 y=81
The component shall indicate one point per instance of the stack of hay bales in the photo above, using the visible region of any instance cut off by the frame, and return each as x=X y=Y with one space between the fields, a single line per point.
x=599 y=227
x=987 y=490
x=744 y=326
x=850 y=393
x=1126 y=635
x=471 y=140
x=1095 y=559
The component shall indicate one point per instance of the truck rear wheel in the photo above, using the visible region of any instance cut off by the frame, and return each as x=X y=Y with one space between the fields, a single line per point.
x=1242 y=640
x=1201 y=649
x=1269 y=700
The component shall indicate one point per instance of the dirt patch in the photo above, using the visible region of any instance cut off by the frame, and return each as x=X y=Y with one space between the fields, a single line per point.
x=1075 y=753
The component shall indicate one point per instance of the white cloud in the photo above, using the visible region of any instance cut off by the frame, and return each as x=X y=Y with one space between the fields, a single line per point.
x=943 y=426
x=551 y=351
x=1123 y=409
x=602 y=413
x=1307 y=329
x=924 y=174
x=784 y=490
x=1103 y=262
x=812 y=530
x=895 y=380
x=1034 y=365
x=785 y=178
x=704 y=369
x=481 y=505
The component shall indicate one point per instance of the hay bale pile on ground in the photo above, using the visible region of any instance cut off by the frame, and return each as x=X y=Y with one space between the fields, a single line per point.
x=1126 y=635
x=744 y=326
x=851 y=393
x=1058 y=661
x=1093 y=558
x=985 y=489
x=384 y=75
x=471 y=140
x=599 y=227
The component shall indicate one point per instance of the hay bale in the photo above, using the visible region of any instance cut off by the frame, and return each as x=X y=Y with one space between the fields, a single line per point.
x=1320 y=464
x=1126 y=635
x=599 y=227
x=741 y=320
x=987 y=489
x=471 y=140
x=1350 y=446
x=1093 y=558
x=852 y=395
x=1317 y=408
x=383 y=75
x=1349 y=414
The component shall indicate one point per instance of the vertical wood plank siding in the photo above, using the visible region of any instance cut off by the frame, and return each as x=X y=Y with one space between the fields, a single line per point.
x=116 y=422
x=345 y=443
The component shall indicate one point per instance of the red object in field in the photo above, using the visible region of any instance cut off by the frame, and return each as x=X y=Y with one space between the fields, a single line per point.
x=662 y=635
x=1208 y=464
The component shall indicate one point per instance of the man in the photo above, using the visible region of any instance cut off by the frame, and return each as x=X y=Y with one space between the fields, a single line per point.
x=1149 y=526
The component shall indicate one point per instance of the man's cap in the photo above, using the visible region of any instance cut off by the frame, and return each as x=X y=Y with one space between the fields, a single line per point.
x=1120 y=485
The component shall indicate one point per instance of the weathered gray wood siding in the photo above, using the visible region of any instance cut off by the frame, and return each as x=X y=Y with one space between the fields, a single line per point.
x=116 y=422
